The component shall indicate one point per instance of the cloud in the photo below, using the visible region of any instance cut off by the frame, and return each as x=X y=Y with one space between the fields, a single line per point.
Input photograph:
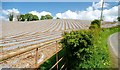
x=67 y=15
x=3 y=18
x=39 y=14
x=99 y=5
x=90 y=14
x=9 y=11
x=110 y=14
x=5 y=14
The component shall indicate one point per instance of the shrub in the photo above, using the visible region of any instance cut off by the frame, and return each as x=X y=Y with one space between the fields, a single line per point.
x=95 y=24
x=93 y=27
x=78 y=46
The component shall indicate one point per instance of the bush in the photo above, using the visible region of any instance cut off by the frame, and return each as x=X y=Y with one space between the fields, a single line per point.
x=93 y=27
x=95 y=24
x=78 y=46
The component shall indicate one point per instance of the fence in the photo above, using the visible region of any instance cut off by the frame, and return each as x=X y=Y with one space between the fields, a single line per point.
x=59 y=60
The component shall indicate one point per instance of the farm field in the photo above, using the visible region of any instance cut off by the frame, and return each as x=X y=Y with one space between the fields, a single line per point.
x=18 y=40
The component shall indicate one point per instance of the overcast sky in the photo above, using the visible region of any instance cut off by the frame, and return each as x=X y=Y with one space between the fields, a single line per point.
x=63 y=10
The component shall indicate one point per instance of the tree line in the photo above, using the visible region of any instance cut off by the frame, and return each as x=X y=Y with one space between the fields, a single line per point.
x=29 y=17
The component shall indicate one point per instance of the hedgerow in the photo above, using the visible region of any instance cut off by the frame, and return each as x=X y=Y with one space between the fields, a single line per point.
x=88 y=48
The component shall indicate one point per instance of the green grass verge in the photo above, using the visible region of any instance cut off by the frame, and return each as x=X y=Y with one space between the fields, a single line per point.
x=102 y=55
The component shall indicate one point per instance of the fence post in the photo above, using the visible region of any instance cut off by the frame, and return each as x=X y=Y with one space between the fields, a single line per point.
x=56 y=55
x=36 y=57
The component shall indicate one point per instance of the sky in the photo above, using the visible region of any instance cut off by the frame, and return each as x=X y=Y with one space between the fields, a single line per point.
x=63 y=10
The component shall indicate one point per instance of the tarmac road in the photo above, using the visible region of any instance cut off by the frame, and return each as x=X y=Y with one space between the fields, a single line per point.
x=114 y=42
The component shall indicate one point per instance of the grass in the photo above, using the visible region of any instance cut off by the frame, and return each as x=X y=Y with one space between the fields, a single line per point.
x=102 y=55
x=104 y=35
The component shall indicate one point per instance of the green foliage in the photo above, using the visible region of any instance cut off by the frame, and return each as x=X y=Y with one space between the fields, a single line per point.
x=78 y=46
x=31 y=17
x=28 y=17
x=46 y=17
x=95 y=24
x=10 y=17
x=57 y=18
x=88 y=48
x=43 y=18
x=22 y=18
x=35 y=17
x=118 y=18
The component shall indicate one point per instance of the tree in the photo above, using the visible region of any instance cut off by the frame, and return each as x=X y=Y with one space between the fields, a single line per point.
x=43 y=18
x=29 y=17
x=35 y=17
x=57 y=18
x=118 y=18
x=48 y=16
x=10 y=17
x=22 y=17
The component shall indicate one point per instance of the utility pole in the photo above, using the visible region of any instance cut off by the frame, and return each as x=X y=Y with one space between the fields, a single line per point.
x=101 y=18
